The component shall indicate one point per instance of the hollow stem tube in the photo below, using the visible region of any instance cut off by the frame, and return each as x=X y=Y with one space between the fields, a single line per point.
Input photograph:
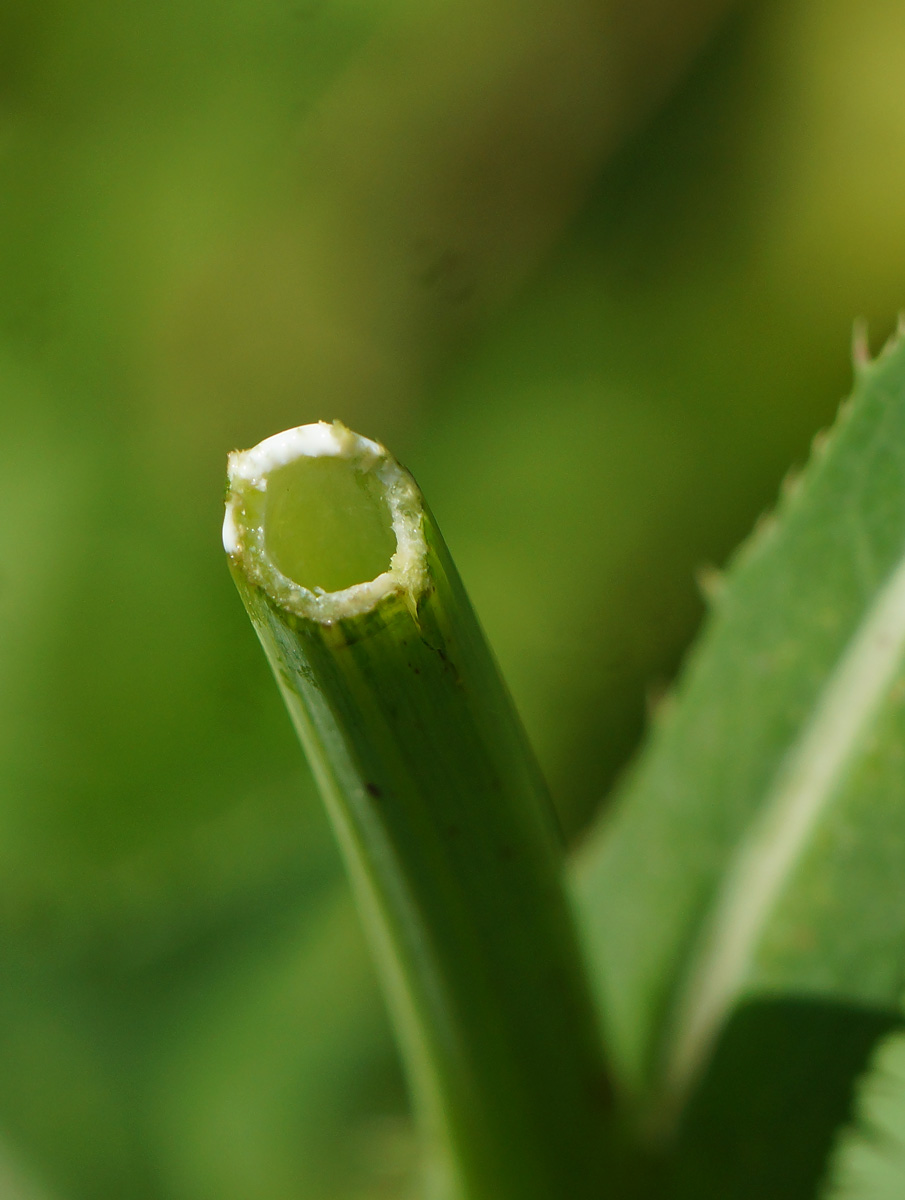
x=439 y=808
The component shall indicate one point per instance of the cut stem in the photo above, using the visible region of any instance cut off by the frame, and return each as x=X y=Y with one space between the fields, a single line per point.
x=438 y=806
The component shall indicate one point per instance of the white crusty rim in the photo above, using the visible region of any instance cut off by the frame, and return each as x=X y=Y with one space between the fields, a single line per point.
x=243 y=521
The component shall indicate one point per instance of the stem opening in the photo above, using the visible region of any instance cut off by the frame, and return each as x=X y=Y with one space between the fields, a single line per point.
x=325 y=521
x=327 y=525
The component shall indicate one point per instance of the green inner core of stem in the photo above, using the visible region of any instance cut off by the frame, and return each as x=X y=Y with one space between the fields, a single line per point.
x=327 y=524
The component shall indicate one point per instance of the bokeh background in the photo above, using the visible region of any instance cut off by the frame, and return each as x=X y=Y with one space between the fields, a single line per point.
x=589 y=267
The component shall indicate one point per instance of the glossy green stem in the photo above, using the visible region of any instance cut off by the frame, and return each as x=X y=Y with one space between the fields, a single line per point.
x=446 y=829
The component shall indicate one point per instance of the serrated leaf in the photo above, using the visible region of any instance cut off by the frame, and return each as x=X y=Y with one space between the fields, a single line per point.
x=869 y=1160
x=757 y=849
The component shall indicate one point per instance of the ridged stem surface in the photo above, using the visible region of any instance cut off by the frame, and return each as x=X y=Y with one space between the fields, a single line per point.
x=446 y=829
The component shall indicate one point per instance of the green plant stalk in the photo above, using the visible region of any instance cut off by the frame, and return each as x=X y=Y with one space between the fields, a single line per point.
x=439 y=809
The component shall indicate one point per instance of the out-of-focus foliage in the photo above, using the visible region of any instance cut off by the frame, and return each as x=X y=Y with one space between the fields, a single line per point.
x=598 y=339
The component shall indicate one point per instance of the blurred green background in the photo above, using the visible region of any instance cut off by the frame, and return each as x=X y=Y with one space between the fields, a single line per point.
x=589 y=267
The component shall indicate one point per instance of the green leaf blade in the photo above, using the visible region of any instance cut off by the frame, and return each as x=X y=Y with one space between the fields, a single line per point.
x=869 y=1159
x=771 y=785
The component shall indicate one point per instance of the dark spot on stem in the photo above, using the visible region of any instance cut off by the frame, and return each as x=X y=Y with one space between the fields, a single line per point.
x=373 y=790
